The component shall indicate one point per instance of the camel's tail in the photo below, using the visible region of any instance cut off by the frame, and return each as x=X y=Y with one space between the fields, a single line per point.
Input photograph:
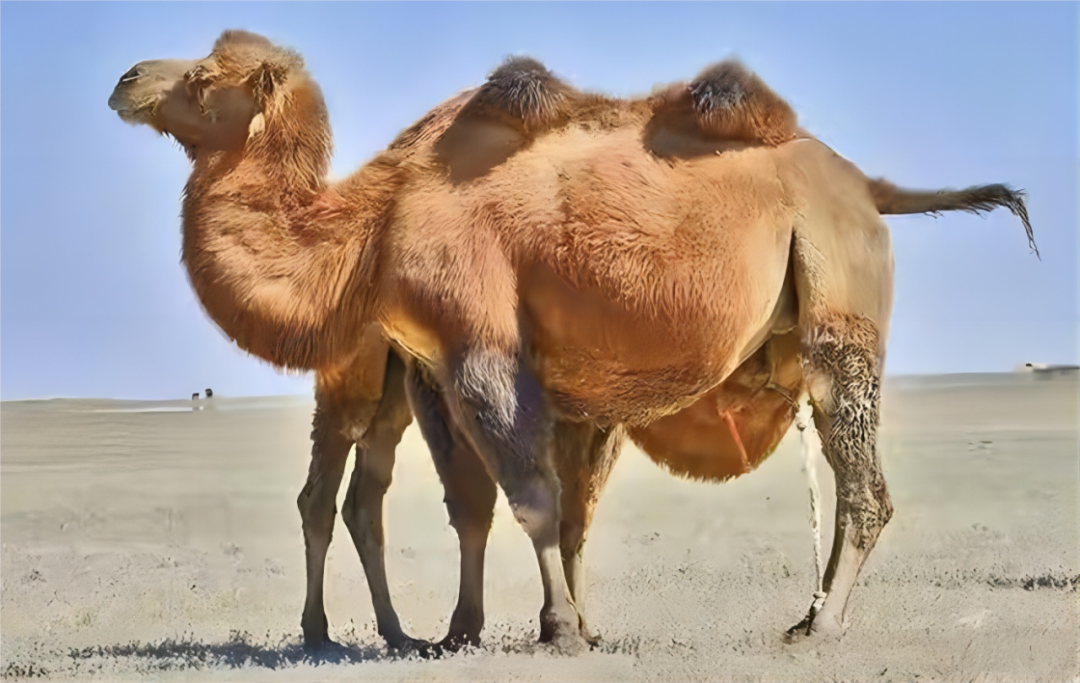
x=891 y=199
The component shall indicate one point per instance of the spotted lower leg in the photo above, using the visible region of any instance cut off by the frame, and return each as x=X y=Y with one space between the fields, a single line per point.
x=584 y=457
x=842 y=366
x=330 y=449
x=470 y=495
x=363 y=511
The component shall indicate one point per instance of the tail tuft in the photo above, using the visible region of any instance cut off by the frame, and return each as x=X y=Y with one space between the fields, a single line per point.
x=977 y=199
x=984 y=198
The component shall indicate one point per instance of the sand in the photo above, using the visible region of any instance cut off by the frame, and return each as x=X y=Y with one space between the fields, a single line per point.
x=145 y=540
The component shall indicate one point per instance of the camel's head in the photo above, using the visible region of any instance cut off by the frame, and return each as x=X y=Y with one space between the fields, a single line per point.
x=214 y=103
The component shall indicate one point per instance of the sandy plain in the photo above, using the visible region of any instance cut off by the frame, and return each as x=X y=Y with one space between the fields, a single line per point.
x=147 y=540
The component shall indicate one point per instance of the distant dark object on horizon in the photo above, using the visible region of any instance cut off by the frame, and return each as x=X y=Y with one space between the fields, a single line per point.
x=209 y=393
x=1048 y=370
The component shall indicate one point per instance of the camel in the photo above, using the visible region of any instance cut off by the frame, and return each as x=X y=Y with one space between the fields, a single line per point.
x=558 y=269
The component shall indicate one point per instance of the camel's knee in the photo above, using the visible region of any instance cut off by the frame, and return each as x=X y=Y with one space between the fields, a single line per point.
x=375 y=481
x=363 y=504
x=387 y=427
x=880 y=511
x=885 y=504
x=316 y=512
x=571 y=538
x=373 y=473
x=535 y=504
x=866 y=507
x=361 y=524
x=471 y=511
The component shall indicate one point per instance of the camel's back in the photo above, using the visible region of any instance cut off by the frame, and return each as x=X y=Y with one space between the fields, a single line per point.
x=600 y=210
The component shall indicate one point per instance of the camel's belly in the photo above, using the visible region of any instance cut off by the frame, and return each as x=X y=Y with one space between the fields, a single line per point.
x=599 y=361
x=734 y=427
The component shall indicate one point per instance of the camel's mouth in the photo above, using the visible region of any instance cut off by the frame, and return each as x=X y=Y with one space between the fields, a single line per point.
x=143 y=89
x=129 y=115
x=128 y=111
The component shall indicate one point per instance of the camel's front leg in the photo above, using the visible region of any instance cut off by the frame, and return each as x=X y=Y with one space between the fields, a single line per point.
x=363 y=512
x=584 y=456
x=843 y=369
x=329 y=450
x=502 y=408
x=470 y=502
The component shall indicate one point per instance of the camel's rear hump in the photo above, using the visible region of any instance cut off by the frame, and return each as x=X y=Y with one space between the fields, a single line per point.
x=726 y=102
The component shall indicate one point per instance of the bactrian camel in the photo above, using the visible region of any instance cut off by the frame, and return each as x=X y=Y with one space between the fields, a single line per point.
x=556 y=269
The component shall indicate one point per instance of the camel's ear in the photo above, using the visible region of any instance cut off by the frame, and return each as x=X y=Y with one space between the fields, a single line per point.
x=268 y=84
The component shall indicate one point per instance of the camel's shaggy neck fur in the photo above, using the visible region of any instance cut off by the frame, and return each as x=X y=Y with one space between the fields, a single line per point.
x=264 y=234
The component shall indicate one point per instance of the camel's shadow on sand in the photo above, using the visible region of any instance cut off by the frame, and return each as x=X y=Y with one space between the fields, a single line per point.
x=244 y=650
x=240 y=650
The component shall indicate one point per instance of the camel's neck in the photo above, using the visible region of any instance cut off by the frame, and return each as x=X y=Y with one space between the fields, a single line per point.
x=283 y=263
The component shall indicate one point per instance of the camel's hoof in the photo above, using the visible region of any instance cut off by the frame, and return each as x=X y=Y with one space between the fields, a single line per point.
x=455 y=642
x=316 y=642
x=563 y=638
x=568 y=643
x=798 y=632
x=819 y=627
x=590 y=636
x=826 y=627
x=405 y=646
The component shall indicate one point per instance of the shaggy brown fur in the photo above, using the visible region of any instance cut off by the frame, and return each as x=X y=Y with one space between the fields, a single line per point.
x=605 y=270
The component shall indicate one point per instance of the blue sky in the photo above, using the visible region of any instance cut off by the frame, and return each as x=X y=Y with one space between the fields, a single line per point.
x=94 y=301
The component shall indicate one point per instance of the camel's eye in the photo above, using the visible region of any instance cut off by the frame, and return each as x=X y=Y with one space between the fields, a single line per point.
x=133 y=74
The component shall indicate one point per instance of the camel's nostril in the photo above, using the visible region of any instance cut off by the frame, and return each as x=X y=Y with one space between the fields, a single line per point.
x=132 y=74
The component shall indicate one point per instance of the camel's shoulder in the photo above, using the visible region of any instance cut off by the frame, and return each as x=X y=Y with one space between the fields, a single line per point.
x=728 y=101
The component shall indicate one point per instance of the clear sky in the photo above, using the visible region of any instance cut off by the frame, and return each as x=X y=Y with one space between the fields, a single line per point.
x=95 y=302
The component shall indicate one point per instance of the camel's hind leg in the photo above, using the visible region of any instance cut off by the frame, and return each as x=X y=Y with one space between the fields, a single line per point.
x=470 y=502
x=843 y=266
x=843 y=368
x=584 y=456
x=316 y=502
x=363 y=511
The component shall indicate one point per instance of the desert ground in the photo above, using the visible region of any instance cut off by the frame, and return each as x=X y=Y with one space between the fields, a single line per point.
x=148 y=540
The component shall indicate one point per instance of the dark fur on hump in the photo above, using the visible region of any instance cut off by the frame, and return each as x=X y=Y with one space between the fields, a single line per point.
x=522 y=92
x=730 y=102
